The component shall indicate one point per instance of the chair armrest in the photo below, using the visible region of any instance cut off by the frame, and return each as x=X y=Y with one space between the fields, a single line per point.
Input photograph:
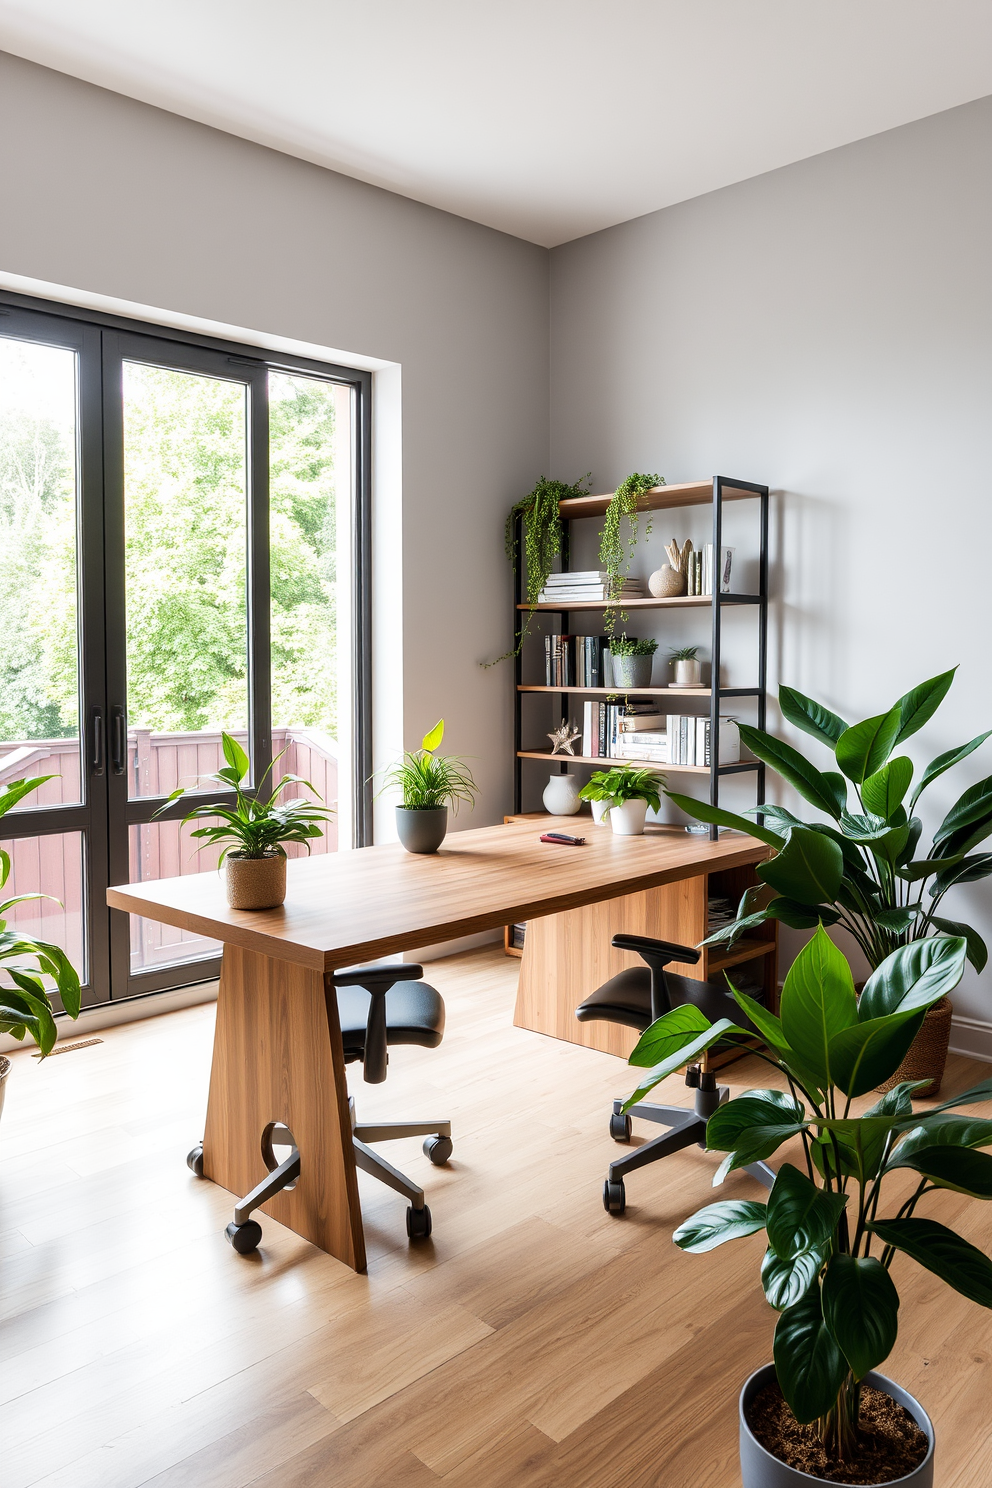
x=379 y=976
x=659 y=952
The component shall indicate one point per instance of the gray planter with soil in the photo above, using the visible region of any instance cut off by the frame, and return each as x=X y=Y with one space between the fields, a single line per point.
x=421 y=831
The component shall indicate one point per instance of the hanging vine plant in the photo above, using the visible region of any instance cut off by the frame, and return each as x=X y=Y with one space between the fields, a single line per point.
x=613 y=553
x=543 y=533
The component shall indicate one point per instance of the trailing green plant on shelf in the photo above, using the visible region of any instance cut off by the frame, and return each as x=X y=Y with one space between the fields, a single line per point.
x=862 y=869
x=826 y=1269
x=429 y=780
x=624 y=783
x=25 y=1006
x=631 y=646
x=613 y=552
x=256 y=826
x=543 y=533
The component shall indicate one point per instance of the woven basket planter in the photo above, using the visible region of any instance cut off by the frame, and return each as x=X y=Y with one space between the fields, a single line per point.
x=928 y=1052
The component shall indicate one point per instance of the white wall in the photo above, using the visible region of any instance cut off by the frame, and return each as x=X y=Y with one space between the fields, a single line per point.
x=119 y=199
x=825 y=329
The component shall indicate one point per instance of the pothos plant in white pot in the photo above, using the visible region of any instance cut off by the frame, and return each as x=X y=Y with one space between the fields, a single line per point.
x=628 y=791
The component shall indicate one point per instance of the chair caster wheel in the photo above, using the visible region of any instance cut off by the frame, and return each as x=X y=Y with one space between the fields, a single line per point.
x=194 y=1160
x=620 y=1127
x=614 y=1197
x=244 y=1237
x=438 y=1149
x=418 y=1223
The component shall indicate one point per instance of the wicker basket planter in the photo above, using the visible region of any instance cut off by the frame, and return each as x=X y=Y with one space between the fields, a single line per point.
x=928 y=1052
x=255 y=883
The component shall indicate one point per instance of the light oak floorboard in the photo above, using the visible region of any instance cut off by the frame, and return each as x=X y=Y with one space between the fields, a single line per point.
x=533 y=1342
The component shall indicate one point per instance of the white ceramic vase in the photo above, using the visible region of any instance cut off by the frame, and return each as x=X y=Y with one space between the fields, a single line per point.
x=561 y=795
x=600 y=811
x=687 y=674
x=627 y=818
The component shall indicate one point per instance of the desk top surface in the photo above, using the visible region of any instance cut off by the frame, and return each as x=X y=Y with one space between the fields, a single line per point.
x=342 y=908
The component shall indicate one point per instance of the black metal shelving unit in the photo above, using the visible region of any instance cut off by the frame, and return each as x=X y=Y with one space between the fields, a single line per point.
x=695 y=493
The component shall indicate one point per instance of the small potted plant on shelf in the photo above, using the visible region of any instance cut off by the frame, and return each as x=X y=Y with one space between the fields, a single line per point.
x=430 y=783
x=254 y=829
x=627 y=791
x=25 y=1009
x=632 y=661
x=820 y=1413
x=687 y=670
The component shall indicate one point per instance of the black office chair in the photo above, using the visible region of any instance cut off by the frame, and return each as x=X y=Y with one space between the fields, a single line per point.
x=377 y=1006
x=636 y=998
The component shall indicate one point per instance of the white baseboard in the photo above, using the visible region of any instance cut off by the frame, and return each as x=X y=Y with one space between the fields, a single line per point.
x=131 y=1010
x=971 y=1037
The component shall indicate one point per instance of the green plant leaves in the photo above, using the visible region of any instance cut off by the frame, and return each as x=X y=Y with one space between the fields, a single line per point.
x=949 y=1131
x=717 y=1223
x=961 y=870
x=813 y=718
x=863 y=749
x=809 y=868
x=827 y=793
x=668 y=1034
x=818 y=1001
x=678 y=1058
x=913 y=976
x=972 y=809
x=800 y=1216
x=752 y=1127
x=946 y=762
x=861 y=1309
x=883 y=792
x=918 y=706
x=235 y=756
x=703 y=811
x=978 y=951
x=808 y=1361
x=787 y=1282
x=964 y=1267
x=864 y=1056
x=433 y=737
x=13 y=791
x=961 y=1168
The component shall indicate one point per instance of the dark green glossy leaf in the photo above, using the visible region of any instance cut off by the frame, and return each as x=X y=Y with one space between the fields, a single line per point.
x=944 y=1131
x=813 y=718
x=883 y=792
x=755 y=1145
x=863 y=749
x=946 y=762
x=897 y=920
x=971 y=808
x=787 y=1282
x=809 y=868
x=898 y=1101
x=964 y=1267
x=827 y=792
x=912 y=840
x=963 y=870
x=818 y=1001
x=703 y=811
x=920 y=868
x=808 y=1362
x=678 y=1059
x=978 y=951
x=799 y=1215
x=756 y=1108
x=869 y=1053
x=863 y=828
x=913 y=976
x=777 y=816
x=770 y=1028
x=918 y=706
x=980 y=1092
x=667 y=1034
x=861 y=1309
x=890 y=847
x=960 y=1168
x=717 y=1223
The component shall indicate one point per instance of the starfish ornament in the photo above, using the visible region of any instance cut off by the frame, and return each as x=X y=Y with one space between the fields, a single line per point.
x=564 y=737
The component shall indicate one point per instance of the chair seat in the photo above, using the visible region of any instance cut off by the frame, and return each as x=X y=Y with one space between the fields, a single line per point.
x=414 y=1015
x=626 y=999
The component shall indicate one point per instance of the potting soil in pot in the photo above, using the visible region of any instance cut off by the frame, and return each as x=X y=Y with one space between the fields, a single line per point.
x=891 y=1442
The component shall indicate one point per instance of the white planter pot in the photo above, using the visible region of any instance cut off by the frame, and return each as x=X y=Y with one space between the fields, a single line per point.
x=627 y=818
x=561 y=795
x=600 y=811
x=687 y=674
x=759 y=1469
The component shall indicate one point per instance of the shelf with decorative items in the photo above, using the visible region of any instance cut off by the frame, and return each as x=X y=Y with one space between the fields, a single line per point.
x=562 y=596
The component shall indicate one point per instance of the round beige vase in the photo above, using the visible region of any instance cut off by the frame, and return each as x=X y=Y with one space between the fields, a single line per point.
x=255 y=883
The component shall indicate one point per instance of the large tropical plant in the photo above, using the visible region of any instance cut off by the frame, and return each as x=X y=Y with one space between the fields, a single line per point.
x=862 y=868
x=25 y=1010
x=831 y=1244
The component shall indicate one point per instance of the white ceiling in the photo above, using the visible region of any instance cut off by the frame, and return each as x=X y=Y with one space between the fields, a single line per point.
x=545 y=118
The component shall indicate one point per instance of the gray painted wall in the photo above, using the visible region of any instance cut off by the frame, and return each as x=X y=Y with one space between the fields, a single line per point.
x=826 y=329
x=108 y=195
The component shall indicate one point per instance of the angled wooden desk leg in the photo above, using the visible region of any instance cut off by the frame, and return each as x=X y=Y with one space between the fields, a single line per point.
x=278 y=1057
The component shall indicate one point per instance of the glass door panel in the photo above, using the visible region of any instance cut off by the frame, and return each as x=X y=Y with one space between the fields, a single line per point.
x=53 y=865
x=166 y=849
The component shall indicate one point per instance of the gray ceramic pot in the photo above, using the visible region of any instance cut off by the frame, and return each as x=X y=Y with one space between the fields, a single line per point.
x=632 y=671
x=4 y=1072
x=759 y=1469
x=421 y=831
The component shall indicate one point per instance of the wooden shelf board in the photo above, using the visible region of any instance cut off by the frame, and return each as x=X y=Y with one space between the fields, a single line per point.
x=672 y=692
x=681 y=601
x=744 y=950
x=610 y=760
x=659 y=498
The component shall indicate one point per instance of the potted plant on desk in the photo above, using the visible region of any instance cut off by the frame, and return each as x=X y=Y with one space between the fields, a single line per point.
x=25 y=1010
x=430 y=782
x=820 y=1413
x=628 y=791
x=254 y=829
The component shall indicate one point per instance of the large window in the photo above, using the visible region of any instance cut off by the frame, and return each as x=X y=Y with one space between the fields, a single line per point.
x=183 y=551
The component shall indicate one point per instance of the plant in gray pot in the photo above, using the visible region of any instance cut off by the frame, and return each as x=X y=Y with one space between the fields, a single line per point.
x=633 y=661
x=430 y=782
x=835 y=1223
x=253 y=829
x=25 y=1009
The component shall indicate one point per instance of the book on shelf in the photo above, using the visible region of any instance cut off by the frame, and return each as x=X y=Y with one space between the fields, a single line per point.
x=636 y=723
x=575 y=661
x=689 y=741
x=588 y=584
x=726 y=564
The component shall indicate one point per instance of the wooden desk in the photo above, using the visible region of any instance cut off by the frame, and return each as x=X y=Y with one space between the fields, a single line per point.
x=277 y=1046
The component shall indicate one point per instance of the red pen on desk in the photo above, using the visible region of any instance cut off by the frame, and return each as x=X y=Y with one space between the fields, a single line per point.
x=564 y=837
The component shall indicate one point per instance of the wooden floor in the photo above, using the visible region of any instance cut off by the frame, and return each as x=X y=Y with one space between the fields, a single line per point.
x=533 y=1342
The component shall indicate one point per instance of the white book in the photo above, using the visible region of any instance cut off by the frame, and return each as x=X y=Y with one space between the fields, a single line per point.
x=587 y=728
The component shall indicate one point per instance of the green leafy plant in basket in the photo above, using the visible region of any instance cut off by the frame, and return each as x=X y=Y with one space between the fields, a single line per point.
x=25 y=1008
x=429 y=780
x=862 y=868
x=543 y=533
x=613 y=552
x=831 y=1235
x=256 y=826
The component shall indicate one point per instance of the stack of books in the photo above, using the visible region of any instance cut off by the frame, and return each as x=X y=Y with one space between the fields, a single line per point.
x=577 y=661
x=719 y=913
x=643 y=736
x=614 y=730
x=590 y=583
x=689 y=741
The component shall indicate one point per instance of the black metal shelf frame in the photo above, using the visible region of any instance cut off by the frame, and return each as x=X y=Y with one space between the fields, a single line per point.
x=760 y=600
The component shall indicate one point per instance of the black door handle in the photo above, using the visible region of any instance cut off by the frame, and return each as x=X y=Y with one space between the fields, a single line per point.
x=118 y=741
x=96 y=754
